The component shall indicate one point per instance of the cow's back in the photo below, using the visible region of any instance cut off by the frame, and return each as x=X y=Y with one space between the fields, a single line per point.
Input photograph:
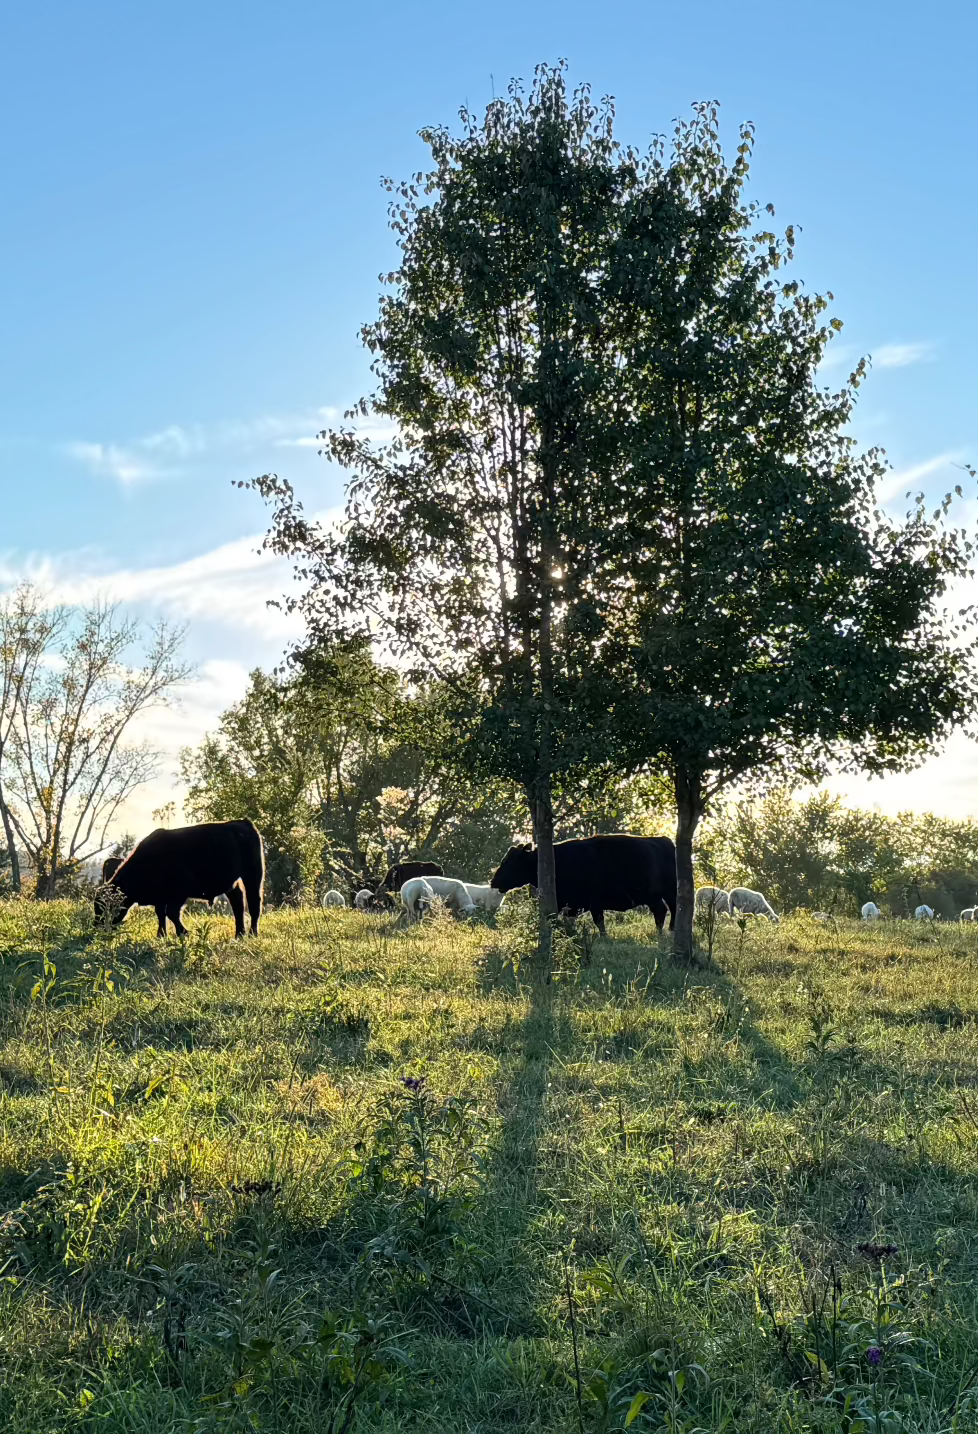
x=405 y=871
x=202 y=860
x=615 y=872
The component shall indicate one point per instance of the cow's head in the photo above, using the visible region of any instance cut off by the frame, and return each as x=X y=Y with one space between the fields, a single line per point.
x=517 y=868
x=111 y=904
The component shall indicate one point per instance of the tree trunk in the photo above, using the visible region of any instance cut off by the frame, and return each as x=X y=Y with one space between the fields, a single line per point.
x=46 y=886
x=542 y=812
x=689 y=809
x=10 y=839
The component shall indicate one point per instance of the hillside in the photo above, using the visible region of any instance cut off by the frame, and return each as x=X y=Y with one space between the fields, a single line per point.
x=347 y=1177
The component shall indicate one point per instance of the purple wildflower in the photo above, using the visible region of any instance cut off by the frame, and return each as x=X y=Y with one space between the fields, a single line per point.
x=874 y=1355
x=415 y=1084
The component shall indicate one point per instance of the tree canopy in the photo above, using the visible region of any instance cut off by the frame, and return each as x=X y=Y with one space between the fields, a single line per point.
x=771 y=618
x=621 y=517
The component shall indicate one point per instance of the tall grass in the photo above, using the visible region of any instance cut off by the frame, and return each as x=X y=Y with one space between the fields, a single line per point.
x=348 y=1177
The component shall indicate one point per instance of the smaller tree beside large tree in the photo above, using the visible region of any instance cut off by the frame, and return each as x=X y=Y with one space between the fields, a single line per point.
x=771 y=621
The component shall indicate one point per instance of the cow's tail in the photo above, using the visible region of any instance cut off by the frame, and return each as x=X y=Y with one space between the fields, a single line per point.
x=254 y=873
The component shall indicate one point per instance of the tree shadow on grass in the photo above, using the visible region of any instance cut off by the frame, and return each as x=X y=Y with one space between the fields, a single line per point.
x=624 y=964
x=514 y=1210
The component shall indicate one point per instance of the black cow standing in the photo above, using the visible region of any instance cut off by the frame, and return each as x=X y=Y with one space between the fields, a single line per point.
x=602 y=873
x=169 y=868
x=404 y=871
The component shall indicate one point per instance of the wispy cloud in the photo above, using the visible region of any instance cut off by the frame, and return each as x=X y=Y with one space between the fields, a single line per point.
x=228 y=586
x=902 y=355
x=169 y=451
x=223 y=595
x=110 y=460
x=899 y=481
x=843 y=355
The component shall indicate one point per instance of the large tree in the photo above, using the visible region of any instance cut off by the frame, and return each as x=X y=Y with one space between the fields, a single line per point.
x=620 y=515
x=477 y=543
x=770 y=618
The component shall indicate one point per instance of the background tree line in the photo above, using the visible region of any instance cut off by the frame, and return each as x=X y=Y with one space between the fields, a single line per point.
x=347 y=766
x=821 y=855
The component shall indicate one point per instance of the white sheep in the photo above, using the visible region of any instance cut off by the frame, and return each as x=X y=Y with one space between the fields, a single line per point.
x=750 y=903
x=334 y=898
x=870 y=912
x=486 y=897
x=970 y=913
x=416 y=897
x=924 y=913
x=425 y=888
x=712 y=898
x=363 y=899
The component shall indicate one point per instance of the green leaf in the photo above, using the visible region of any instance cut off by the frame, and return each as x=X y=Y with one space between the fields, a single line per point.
x=636 y=1407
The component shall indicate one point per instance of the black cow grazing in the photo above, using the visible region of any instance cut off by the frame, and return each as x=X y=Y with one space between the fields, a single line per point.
x=110 y=866
x=602 y=873
x=404 y=871
x=169 y=868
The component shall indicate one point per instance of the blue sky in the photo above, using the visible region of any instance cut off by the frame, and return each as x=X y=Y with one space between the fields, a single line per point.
x=195 y=227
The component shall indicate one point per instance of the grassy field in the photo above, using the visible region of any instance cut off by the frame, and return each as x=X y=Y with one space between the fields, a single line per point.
x=347 y=1177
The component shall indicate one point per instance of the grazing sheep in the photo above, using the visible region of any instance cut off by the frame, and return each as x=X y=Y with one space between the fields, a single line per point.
x=750 y=903
x=363 y=899
x=970 y=913
x=712 y=898
x=870 y=912
x=416 y=897
x=425 y=888
x=485 y=897
x=924 y=913
x=334 y=898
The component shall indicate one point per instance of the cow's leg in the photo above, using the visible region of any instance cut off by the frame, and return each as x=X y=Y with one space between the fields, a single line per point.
x=597 y=912
x=253 y=893
x=173 y=912
x=235 y=897
x=659 y=910
x=161 y=922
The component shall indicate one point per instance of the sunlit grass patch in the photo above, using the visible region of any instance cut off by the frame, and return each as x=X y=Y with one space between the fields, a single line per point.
x=230 y=1172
